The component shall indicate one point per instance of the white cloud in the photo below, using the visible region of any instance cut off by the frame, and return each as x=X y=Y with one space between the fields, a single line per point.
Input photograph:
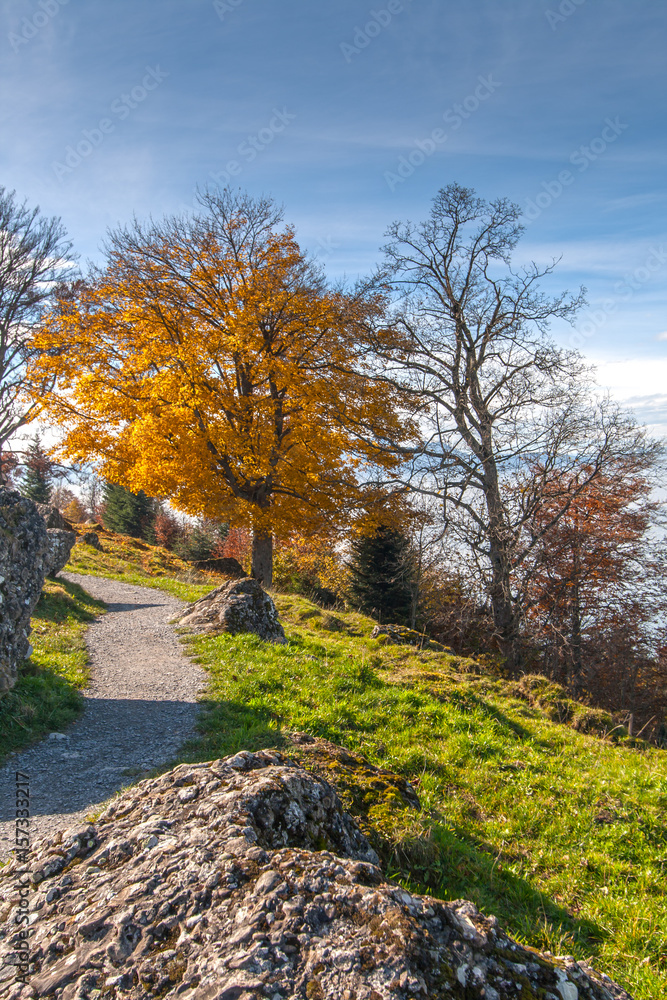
x=638 y=383
x=662 y=336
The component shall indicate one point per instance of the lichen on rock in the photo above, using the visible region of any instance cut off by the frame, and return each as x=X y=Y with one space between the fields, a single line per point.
x=61 y=544
x=237 y=606
x=24 y=554
x=53 y=517
x=244 y=879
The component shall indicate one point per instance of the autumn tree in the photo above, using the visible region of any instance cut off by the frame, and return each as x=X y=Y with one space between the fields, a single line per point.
x=210 y=364
x=8 y=465
x=493 y=391
x=597 y=595
x=34 y=256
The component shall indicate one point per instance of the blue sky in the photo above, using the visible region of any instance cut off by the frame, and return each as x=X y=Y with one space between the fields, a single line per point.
x=110 y=109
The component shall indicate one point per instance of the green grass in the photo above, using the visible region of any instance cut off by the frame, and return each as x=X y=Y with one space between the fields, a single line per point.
x=47 y=695
x=526 y=809
x=560 y=834
x=131 y=560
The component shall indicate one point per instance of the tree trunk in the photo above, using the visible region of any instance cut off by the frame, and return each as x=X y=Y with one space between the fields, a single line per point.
x=262 y=557
x=576 y=639
x=506 y=615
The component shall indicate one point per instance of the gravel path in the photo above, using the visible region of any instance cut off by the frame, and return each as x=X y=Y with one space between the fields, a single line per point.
x=140 y=707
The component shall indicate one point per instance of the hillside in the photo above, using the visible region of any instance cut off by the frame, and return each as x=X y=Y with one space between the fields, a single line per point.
x=560 y=832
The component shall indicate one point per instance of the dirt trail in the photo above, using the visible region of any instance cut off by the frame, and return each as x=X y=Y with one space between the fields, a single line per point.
x=140 y=706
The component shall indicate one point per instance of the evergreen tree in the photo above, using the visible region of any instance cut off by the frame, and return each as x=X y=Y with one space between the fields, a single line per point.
x=202 y=540
x=37 y=473
x=127 y=513
x=382 y=573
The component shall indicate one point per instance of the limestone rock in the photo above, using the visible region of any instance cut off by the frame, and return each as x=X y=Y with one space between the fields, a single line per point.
x=401 y=635
x=237 y=606
x=228 y=566
x=93 y=539
x=61 y=544
x=243 y=879
x=53 y=517
x=24 y=551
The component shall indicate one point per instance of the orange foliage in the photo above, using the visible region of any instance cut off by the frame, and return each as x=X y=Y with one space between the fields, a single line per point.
x=598 y=593
x=236 y=546
x=219 y=372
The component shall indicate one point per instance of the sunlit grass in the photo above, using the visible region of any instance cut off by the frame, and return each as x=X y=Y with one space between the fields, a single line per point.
x=560 y=834
x=47 y=694
x=131 y=560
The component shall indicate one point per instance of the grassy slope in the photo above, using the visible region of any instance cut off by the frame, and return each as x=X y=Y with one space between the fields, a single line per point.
x=559 y=833
x=133 y=561
x=47 y=694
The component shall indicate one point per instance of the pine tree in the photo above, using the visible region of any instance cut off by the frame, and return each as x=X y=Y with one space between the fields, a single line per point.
x=36 y=478
x=381 y=572
x=127 y=513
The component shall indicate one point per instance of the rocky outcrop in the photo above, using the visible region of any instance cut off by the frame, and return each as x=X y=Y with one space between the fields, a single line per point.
x=53 y=517
x=237 y=606
x=61 y=544
x=244 y=879
x=400 y=635
x=61 y=538
x=227 y=565
x=24 y=553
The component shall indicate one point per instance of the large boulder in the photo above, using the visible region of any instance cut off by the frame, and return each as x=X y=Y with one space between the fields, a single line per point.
x=237 y=606
x=24 y=555
x=61 y=544
x=244 y=879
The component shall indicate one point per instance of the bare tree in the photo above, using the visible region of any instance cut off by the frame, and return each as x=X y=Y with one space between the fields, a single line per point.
x=34 y=256
x=500 y=403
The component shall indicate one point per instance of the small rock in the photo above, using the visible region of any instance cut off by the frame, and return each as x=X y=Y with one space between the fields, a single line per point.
x=227 y=566
x=93 y=539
